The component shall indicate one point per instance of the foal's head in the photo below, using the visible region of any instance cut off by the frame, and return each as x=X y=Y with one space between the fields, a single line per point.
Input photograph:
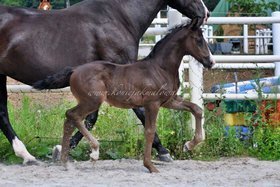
x=196 y=46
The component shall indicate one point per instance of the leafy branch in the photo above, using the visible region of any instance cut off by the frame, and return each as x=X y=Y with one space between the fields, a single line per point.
x=251 y=7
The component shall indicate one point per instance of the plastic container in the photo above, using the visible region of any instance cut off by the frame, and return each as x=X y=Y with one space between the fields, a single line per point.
x=241 y=132
x=236 y=119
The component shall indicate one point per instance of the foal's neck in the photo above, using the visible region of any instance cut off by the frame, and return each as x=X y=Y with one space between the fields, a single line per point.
x=170 y=51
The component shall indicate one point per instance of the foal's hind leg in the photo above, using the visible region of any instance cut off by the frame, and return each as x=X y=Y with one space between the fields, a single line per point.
x=89 y=123
x=178 y=103
x=163 y=153
x=5 y=126
x=74 y=141
x=74 y=119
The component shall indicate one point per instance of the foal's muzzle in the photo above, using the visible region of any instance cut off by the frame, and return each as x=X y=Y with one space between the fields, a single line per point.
x=208 y=62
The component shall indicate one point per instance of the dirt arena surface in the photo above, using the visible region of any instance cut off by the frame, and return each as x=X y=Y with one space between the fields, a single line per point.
x=126 y=172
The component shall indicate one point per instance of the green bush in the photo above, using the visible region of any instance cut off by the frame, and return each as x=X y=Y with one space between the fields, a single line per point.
x=121 y=135
x=266 y=143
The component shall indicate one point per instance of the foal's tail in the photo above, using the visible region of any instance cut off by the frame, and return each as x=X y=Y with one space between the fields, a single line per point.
x=58 y=80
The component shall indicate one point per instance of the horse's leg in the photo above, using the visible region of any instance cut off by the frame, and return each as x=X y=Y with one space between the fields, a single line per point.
x=89 y=123
x=74 y=119
x=178 y=103
x=163 y=153
x=5 y=126
x=68 y=129
x=150 y=129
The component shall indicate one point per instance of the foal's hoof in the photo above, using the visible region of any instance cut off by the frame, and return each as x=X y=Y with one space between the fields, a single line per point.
x=165 y=157
x=153 y=170
x=94 y=155
x=56 y=153
x=65 y=165
x=186 y=147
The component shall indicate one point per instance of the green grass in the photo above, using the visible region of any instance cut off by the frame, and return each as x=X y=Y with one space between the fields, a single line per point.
x=121 y=134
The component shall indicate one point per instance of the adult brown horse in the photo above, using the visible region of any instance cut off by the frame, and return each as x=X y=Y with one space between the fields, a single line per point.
x=36 y=43
x=150 y=83
x=44 y=5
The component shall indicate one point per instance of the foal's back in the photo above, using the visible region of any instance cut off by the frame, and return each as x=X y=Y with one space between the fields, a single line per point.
x=124 y=86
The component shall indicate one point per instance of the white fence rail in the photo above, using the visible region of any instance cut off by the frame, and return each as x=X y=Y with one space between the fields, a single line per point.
x=29 y=89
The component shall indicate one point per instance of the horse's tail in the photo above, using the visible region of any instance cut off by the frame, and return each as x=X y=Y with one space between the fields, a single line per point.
x=58 y=80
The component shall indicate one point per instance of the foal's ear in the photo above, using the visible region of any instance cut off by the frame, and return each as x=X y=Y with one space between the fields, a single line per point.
x=196 y=23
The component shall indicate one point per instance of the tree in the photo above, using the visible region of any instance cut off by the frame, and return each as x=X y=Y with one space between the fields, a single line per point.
x=12 y=2
x=56 y=4
x=252 y=7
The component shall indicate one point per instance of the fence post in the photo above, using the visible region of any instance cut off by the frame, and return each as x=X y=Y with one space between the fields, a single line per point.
x=257 y=45
x=266 y=40
x=158 y=37
x=205 y=29
x=175 y=18
x=276 y=42
x=210 y=34
x=245 y=40
x=196 y=87
x=262 y=42
x=67 y=3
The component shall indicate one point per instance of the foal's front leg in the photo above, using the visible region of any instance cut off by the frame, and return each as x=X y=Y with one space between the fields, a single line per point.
x=163 y=154
x=178 y=103
x=150 y=129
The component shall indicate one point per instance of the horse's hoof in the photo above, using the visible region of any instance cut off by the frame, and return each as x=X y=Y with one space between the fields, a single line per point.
x=56 y=153
x=94 y=155
x=186 y=147
x=165 y=157
x=153 y=170
x=31 y=162
x=64 y=165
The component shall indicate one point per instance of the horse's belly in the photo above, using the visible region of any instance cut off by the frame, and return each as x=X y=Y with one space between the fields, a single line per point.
x=124 y=100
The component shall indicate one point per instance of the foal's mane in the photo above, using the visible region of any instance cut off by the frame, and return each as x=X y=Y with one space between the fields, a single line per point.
x=170 y=33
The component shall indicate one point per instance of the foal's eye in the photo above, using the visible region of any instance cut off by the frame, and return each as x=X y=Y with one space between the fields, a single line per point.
x=200 y=42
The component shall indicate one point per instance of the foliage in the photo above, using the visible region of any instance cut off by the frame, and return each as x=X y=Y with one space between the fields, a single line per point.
x=252 y=7
x=119 y=132
x=19 y=3
x=38 y=127
x=218 y=143
x=262 y=141
x=56 y=4
x=174 y=130
x=266 y=143
x=121 y=135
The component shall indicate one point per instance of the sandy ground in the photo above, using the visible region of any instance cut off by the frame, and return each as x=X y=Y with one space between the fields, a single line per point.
x=127 y=172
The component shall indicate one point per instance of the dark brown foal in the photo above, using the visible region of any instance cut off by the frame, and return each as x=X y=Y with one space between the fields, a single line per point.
x=150 y=83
